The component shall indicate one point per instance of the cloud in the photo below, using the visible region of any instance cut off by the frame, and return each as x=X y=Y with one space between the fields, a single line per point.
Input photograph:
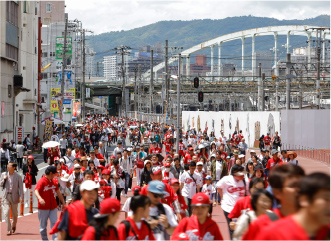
x=104 y=16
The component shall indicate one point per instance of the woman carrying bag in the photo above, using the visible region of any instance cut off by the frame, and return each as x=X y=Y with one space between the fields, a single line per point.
x=30 y=171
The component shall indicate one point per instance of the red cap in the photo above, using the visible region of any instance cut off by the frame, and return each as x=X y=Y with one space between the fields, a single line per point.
x=56 y=158
x=103 y=182
x=106 y=171
x=30 y=157
x=108 y=206
x=191 y=149
x=4 y=140
x=136 y=187
x=112 y=156
x=156 y=170
x=200 y=199
x=167 y=164
x=101 y=166
x=174 y=181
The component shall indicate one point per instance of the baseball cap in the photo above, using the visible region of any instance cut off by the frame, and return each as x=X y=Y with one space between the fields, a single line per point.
x=252 y=151
x=263 y=150
x=101 y=166
x=228 y=157
x=241 y=156
x=88 y=185
x=156 y=187
x=30 y=157
x=200 y=163
x=173 y=181
x=103 y=182
x=108 y=206
x=167 y=164
x=156 y=170
x=106 y=171
x=237 y=170
x=213 y=155
x=274 y=151
x=77 y=166
x=208 y=177
x=112 y=156
x=61 y=160
x=191 y=149
x=258 y=167
x=136 y=187
x=235 y=152
x=51 y=169
x=200 y=199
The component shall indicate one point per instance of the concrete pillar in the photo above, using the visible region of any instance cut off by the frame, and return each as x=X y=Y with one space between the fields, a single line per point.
x=219 y=59
x=309 y=49
x=288 y=42
x=275 y=53
x=242 y=55
x=188 y=66
x=253 y=56
x=212 y=61
x=323 y=48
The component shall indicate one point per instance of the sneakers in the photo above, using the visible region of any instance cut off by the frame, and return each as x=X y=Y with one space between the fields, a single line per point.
x=125 y=195
x=129 y=189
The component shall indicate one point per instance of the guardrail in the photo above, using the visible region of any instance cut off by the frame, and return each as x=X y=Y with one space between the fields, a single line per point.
x=322 y=155
x=160 y=118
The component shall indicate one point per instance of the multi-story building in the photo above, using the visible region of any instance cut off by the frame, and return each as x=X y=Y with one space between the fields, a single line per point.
x=18 y=57
x=110 y=71
x=200 y=66
x=52 y=12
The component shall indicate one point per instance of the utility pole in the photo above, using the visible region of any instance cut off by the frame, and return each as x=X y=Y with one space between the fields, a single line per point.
x=83 y=86
x=259 y=89
x=263 y=94
x=277 y=87
x=288 y=81
x=139 y=85
x=318 y=46
x=166 y=76
x=178 y=100
x=151 y=86
x=64 y=62
x=135 y=88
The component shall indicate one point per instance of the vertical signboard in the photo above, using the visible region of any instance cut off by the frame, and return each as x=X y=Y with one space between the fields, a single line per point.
x=88 y=93
x=59 y=47
x=48 y=130
x=19 y=134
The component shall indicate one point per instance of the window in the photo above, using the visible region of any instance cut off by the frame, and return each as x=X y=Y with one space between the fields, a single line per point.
x=11 y=52
x=44 y=75
x=12 y=12
x=44 y=54
x=47 y=21
x=48 y=7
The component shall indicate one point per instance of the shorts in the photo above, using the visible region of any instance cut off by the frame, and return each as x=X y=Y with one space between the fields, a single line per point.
x=210 y=209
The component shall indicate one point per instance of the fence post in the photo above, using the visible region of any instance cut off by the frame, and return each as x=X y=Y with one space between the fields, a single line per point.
x=22 y=207
x=10 y=214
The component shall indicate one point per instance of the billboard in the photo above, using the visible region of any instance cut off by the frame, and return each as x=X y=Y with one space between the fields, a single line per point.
x=56 y=95
x=59 y=47
x=19 y=134
x=48 y=130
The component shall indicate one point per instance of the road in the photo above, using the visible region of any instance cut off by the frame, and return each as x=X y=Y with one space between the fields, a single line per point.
x=28 y=225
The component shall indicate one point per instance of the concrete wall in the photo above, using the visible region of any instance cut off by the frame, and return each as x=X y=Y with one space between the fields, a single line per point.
x=227 y=120
x=306 y=128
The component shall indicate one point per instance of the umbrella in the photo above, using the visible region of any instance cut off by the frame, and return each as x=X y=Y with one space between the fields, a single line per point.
x=206 y=144
x=149 y=157
x=50 y=144
x=79 y=125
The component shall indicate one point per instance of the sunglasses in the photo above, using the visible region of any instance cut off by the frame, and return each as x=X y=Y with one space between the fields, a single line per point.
x=157 y=195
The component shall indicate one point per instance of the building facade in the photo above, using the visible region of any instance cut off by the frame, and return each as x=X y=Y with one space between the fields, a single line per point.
x=52 y=12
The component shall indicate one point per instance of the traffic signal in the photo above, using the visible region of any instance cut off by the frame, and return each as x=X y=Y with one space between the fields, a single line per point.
x=200 y=96
x=196 y=82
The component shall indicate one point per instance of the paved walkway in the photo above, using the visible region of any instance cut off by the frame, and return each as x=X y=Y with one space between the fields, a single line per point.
x=28 y=226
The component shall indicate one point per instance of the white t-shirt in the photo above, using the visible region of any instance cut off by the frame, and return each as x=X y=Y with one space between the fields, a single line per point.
x=218 y=169
x=232 y=191
x=169 y=177
x=159 y=229
x=189 y=188
x=209 y=190
x=126 y=207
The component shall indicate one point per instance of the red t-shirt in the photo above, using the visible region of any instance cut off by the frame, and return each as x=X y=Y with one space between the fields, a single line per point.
x=100 y=156
x=89 y=234
x=168 y=146
x=267 y=140
x=258 y=225
x=144 y=233
x=188 y=158
x=271 y=163
x=181 y=149
x=241 y=205
x=288 y=229
x=47 y=189
x=200 y=155
x=209 y=230
x=155 y=150
x=170 y=195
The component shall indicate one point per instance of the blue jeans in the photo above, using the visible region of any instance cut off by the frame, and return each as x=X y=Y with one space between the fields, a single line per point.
x=127 y=180
x=216 y=195
x=43 y=216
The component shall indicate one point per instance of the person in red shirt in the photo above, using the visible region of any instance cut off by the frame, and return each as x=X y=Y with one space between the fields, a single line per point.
x=267 y=141
x=138 y=227
x=169 y=197
x=183 y=206
x=47 y=206
x=274 y=161
x=98 y=155
x=155 y=148
x=199 y=226
x=312 y=221
x=188 y=157
x=181 y=148
x=244 y=204
x=284 y=181
x=103 y=223
x=168 y=145
x=52 y=153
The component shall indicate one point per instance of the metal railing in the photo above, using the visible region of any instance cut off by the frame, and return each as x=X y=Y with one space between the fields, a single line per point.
x=146 y=116
x=321 y=155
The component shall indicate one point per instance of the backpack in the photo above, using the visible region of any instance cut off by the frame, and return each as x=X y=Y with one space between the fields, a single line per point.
x=24 y=142
x=127 y=225
x=272 y=216
x=98 y=234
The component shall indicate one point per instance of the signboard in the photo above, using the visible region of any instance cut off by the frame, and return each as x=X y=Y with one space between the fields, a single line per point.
x=19 y=134
x=88 y=92
x=67 y=79
x=2 y=109
x=77 y=109
x=67 y=101
x=59 y=47
x=48 y=130
x=56 y=94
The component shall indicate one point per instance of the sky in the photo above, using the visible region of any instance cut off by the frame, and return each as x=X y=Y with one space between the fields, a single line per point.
x=111 y=15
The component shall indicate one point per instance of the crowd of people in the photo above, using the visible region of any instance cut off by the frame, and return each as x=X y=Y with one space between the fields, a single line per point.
x=174 y=192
